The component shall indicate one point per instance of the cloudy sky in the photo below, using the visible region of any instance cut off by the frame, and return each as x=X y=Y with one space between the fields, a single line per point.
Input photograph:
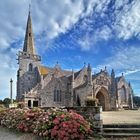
x=100 y=32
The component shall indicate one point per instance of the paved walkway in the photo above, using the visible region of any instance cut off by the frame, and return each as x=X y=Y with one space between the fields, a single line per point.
x=121 y=117
x=6 y=134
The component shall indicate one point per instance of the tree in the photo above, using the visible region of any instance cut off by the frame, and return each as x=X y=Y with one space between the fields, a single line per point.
x=1 y=102
x=136 y=100
x=6 y=102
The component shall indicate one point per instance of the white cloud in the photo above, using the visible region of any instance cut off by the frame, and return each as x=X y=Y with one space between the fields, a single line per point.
x=89 y=40
x=122 y=22
x=128 y=20
x=8 y=70
x=59 y=18
x=125 y=59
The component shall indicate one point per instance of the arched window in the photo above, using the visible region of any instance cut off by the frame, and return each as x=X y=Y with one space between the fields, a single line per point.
x=57 y=95
x=60 y=95
x=78 y=101
x=123 y=94
x=30 y=67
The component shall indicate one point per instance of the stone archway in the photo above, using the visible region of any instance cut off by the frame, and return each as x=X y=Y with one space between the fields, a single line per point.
x=103 y=98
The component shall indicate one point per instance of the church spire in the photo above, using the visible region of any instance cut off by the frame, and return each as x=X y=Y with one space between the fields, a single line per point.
x=29 y=40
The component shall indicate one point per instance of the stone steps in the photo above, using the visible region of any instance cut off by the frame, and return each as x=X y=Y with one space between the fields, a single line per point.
x=121 y=130
x=121 y=126
x=119 y=135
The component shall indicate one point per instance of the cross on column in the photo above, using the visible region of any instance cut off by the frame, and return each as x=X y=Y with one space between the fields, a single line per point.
x=11 y=90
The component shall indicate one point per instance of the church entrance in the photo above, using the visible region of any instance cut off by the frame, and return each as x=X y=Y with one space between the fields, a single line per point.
x=103 y=98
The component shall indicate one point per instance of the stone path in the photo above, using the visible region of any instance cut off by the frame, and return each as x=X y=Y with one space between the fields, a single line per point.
x=121 y=117
x=6 y=134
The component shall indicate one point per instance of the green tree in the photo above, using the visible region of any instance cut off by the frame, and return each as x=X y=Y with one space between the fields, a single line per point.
x=1 y=102
x=136 y=100
x=6 y=102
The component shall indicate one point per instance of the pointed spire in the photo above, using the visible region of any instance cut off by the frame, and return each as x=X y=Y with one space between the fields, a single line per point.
x=105 y=68
x=84 y=64
x=72 y=75
x=89 y=67
x=89 y=74
x=29 y=7
x=29 y=40
x=57 y=66
x=129 y=84
x=113 y=73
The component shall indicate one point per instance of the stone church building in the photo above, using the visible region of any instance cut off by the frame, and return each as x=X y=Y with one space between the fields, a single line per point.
x=39 y=85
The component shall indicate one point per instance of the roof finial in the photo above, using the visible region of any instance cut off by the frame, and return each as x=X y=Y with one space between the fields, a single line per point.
x=84 y=64
x=30 y=6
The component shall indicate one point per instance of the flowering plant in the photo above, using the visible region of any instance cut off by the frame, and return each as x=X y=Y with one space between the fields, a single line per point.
x=53 y=124
x=70 y=126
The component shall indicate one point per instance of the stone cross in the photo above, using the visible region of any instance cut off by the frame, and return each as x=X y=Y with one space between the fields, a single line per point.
x=11 y=90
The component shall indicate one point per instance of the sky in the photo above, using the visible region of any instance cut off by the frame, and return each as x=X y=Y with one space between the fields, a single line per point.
x=73 y=32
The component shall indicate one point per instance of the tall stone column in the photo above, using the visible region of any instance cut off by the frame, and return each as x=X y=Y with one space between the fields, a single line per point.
x=72 y=87
x=11 y=91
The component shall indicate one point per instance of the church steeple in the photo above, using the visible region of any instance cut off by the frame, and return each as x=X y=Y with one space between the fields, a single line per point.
x=29 y=39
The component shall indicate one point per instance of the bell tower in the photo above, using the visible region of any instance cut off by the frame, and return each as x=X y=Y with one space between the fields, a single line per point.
x=29 y=61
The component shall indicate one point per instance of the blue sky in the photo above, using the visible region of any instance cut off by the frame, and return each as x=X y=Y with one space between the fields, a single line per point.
x=100 y=32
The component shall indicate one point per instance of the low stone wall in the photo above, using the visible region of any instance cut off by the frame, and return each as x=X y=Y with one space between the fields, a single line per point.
x=93 y=114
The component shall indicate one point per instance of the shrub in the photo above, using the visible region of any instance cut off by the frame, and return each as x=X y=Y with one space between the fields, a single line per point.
x=70 y=126
x=91 y=102
x=53 y=124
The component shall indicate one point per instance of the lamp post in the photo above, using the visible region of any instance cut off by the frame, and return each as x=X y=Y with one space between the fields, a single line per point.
x=11 y=90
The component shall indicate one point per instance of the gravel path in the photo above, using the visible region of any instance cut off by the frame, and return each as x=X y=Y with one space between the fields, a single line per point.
x=121 y=117
x=6 y=134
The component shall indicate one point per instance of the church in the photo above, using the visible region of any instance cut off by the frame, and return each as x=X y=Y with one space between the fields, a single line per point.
x=44 y=86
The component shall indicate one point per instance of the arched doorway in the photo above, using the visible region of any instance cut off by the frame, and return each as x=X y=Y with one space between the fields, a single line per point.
x=103 y=98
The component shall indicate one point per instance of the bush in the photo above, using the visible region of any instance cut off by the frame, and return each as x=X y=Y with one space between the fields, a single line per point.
x=70 y=126
x=54 y=124
x=2 y=107
x=91 y=102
